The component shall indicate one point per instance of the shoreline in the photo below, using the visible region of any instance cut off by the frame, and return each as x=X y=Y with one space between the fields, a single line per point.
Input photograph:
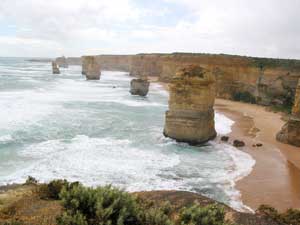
x=275 y=177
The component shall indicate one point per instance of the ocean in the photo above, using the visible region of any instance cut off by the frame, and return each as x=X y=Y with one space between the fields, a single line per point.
x=95 y=132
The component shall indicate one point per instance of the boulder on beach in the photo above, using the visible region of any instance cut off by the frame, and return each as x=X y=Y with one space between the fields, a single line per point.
x=139 y=87
x=238 y=143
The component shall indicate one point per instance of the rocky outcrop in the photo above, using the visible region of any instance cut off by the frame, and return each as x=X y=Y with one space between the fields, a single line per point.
x=256 y=80
x=93 y=69
x=191 y=115
x=290 y=132
x=62 y=62
x=55 y=69
x=139 y=87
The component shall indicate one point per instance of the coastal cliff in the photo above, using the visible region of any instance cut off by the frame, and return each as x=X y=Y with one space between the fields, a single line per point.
x=290 y=132
x=270 y=82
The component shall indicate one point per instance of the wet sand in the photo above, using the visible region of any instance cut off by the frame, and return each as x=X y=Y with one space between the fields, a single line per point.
x=275 y=179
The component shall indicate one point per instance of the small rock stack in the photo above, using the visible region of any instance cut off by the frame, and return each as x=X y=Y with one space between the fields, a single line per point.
x=191 y=115
x=62 y=62
x=92 y=68
x=55 y=69
x=139 y=87
x=290 y=132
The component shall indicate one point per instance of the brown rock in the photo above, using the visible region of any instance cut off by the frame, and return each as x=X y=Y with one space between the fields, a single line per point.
x=225 y=138
x=139 y=87
x=191 y=115
x=238 y=143
x=93 y=69
x=55 y=69
x=62 y=62
x=290 y=132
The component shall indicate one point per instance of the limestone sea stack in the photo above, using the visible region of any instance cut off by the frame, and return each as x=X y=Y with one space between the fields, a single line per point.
x=139 y=87
x=290 y=132
x=191 y=115
x=93 y=69
x=55 y=69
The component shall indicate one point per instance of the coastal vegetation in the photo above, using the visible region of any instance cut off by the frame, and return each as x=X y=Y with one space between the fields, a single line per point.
x=244 y=97
x=63 y=203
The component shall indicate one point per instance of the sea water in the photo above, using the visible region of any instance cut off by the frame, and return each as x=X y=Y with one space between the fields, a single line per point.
x=95 y=132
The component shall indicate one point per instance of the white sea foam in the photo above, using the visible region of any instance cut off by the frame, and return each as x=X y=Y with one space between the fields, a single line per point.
x=223 y=124
x=6 y=139
x=129 y=160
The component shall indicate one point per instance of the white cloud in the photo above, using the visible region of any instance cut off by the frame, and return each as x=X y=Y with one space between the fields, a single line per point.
x=75 y=27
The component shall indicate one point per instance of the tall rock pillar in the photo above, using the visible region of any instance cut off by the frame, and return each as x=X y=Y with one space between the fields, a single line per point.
x=92 y=68
x=191 y=115
x=290 y=132
x=55 y=69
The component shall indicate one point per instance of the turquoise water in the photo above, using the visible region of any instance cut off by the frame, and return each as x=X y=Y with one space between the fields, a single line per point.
x=66 y=127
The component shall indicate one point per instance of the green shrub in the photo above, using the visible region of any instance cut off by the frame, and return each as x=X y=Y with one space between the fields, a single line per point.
x=31 y=180
x=290 y=217
x=103 y=205
x=244 y=97
x=108 y=206
x=208 y=215
x=52 y=189
x=71 y=219
x=151 y=215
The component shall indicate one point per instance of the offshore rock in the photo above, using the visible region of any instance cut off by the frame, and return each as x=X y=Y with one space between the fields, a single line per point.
x=290 y=132
x=93 y=69
x=191 y=115
x=55 y=69
x=139 y=87
x=62 y=62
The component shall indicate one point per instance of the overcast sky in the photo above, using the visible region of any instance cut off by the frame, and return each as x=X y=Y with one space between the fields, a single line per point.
x=49 y=28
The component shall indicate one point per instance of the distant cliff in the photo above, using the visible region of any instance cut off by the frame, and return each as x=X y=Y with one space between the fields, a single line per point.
x=258 y=80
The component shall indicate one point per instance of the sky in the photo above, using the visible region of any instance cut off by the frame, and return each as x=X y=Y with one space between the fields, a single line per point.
x=50 y=28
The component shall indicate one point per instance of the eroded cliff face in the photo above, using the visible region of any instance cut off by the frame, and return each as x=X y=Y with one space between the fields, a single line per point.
x=256 y=80
x=290 y=132
x=191 y=115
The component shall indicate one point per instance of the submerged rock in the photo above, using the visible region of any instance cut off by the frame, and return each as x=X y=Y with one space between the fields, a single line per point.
x=93 y=69
x=55 y=69
x=191 y=115
x=139 y=87
x=290 y=132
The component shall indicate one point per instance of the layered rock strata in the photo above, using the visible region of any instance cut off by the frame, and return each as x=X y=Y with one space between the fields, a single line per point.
x=258 y=80
x=55 y=69
x=190 y=117
x=139 y=87
x=93 y=69
x=290 y=132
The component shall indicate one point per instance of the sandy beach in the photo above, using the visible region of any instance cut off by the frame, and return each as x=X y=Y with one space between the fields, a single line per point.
x=275 y=178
